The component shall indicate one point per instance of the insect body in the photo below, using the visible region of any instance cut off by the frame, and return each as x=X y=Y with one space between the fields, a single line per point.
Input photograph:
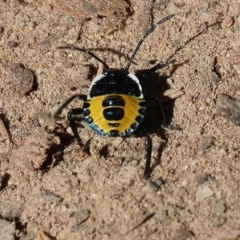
x=115 y=105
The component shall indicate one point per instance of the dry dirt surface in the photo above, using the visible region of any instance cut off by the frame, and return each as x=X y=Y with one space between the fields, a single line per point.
x=50 y=188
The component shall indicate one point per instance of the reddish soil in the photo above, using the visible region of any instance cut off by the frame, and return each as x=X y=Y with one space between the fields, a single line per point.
x=50 y=188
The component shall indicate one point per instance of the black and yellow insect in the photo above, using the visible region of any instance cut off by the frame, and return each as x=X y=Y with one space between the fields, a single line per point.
x=115 y=105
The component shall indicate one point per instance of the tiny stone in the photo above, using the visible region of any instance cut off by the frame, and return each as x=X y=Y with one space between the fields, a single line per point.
x=39 y=71
x=227 y=22
x=185 y=213
x=12 y=44
x=24 y=79
x=182 y=234
x=7 y=230
x=203 y=193
x=228 y=108
x=31 y=25
x=13 y=37
x=219 y=208
x=41 y=121
x=69 y=130
x=202 y=178
x=81 y=215
x=135 y=8
x=22 y=24
x=1 y=31
x=219 y=221
x=172 y=8
x=206 y=142
x=17 y=117
x=170 y=81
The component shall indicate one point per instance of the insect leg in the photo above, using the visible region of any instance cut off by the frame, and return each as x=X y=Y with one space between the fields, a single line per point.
x=147 y=170
x=76 y=111
x=160 y=107
x=164 y=121
x=144 y=37
x=79 y=96
x=159 y=66
x=85 y=51
x=70 y=113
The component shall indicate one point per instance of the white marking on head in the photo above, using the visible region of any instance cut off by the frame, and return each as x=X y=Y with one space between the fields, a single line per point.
x=134 y=78
x=97 y=78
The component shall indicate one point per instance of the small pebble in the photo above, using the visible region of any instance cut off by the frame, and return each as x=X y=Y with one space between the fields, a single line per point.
x=1 y=31
x=182 y=234
x=202 y=178
x=24 y=79
x=185 y=213
x=31 y=25
x=219 y=208
x=7 y=230
x=12 y=44
x=203 y=193
x=219 y=221
x=172 y=8
x=227 y=22
x=229 y=108
x=81 y=215
x=135 y=8
x=206 y=142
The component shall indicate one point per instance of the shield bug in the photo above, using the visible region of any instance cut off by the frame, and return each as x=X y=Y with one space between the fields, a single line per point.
x=115 y=105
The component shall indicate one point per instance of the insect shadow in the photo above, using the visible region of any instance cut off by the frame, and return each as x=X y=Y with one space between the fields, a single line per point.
x=157 y=120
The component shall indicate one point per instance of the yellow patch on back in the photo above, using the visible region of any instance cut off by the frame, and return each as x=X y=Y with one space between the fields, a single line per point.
x=131 y=111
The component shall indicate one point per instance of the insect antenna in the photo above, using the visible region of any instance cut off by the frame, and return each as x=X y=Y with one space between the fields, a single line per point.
x=144 y=37
x=85 y=51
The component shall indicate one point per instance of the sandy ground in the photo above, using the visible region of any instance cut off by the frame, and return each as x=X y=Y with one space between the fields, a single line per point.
x=50 y=188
